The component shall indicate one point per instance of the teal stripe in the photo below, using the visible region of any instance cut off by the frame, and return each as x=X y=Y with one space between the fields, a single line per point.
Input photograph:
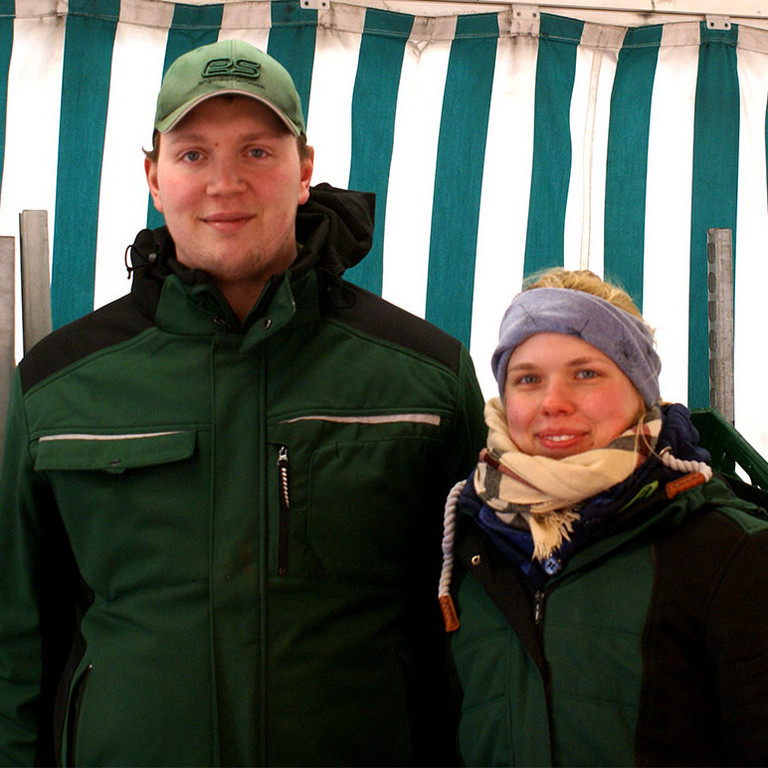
x=373 y=123
x=192 y=26
x=7 y=10
x=292 y=43
x=90 y=35
x=459 y=174
x=555 y=71
x=715 y=185
x=627 y=162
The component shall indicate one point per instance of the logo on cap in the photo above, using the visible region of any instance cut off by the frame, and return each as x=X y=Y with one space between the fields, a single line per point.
x=226 y=67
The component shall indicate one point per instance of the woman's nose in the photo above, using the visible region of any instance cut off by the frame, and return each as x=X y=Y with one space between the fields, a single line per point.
x=556 y=398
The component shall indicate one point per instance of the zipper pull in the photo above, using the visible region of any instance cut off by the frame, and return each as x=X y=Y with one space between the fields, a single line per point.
x=285 y=508
x=222 y=323
x=538 y=607
x=282 y=466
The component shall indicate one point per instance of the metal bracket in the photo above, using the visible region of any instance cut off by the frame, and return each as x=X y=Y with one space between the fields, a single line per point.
x=720 y=313
x=718 y=22
x=316 y=4
x=7 y=326
x=526 y=12
x=35 y=276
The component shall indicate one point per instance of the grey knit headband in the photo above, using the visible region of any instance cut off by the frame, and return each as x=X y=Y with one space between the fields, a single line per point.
x=621 y=336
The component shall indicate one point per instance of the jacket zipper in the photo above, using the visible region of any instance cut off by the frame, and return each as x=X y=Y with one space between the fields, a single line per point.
x=285 y=509
x=75 y=705
x=539 y=598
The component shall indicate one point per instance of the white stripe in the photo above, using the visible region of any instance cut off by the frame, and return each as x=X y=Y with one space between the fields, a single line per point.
x=393 y=418
x=751 y=308
x=329 y=116
x=414 y=156
x=137 y=67
x=88 y=437
x=666 y=278
x=503 y=217
x=32 y=124
x=596 y=60
x=587 y=64
x=250 y=22
x=146 y=13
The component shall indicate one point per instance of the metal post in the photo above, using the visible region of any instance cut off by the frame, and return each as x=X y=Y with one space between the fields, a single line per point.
x=35 y=277
x=7 y=327
x=720 y=294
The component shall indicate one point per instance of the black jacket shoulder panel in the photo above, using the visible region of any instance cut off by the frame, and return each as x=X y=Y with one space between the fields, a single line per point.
x=478 y=558
x=703 y=699
x=336 y=228
x=111 y=324
x=373 y=315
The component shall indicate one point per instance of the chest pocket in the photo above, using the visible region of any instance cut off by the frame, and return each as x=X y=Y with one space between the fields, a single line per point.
x=356 y=496
x=134 y=505
x=113 y=452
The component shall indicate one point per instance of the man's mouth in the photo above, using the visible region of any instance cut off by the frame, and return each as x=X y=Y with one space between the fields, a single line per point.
x=227 y=222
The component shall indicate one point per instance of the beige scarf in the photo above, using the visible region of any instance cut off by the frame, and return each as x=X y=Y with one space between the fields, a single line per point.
x=540 y=493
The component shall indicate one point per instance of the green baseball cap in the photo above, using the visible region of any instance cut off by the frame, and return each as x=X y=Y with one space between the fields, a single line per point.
x=228 y=66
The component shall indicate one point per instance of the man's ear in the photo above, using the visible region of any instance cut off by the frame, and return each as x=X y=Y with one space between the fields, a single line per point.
x=307 y=166
x=150 y=169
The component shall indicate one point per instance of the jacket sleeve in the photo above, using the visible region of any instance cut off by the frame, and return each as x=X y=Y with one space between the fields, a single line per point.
x=737 y=644
x=705 y=699
x=34 y=616
x=434 y=740
x=473 y=430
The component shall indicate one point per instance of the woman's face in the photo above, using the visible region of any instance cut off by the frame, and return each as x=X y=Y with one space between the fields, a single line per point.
x=563 y=396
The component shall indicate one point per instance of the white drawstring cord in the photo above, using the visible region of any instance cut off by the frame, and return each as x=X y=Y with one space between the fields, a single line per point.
x=668 y=460
x=449 y=528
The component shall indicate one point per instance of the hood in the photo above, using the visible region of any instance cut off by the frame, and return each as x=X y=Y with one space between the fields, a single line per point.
x=334 y=229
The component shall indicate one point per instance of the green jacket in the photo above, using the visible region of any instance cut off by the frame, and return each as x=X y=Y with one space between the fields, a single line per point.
x=220 y=543
x=648 y=648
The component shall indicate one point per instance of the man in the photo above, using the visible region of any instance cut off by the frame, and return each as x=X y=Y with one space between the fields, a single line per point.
x=222 y=495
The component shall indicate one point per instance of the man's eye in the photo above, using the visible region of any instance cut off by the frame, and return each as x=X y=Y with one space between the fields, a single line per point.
x=191 y=156
x=257 y=152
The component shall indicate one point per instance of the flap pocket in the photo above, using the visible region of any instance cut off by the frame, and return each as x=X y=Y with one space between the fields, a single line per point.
x=113 y=452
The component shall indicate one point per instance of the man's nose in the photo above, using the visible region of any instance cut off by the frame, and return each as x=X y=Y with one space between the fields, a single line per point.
x=225 y=177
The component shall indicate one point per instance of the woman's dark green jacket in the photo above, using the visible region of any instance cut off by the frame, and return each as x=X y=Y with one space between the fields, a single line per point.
x=650 y=647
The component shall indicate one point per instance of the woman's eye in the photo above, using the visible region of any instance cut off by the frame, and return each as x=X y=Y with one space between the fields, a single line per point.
x=529 y=378
x=587 y=374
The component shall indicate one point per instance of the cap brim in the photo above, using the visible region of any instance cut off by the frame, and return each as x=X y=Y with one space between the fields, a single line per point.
x=171 y=121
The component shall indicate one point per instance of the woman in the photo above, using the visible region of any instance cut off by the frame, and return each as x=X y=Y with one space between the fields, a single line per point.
x=606 y=594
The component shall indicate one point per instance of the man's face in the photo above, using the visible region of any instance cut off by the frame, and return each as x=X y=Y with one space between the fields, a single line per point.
x=228 y=180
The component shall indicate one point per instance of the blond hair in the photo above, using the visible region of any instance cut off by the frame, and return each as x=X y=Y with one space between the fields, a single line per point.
x=587 y=281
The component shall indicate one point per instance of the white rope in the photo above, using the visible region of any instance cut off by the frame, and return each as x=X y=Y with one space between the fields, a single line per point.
x=449 y=527
x=686 y=466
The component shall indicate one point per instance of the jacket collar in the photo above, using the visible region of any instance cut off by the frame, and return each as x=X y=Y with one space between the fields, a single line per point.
x=334 y=228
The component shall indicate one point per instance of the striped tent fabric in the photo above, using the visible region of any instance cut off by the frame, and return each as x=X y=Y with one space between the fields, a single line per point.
x=497 y=143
